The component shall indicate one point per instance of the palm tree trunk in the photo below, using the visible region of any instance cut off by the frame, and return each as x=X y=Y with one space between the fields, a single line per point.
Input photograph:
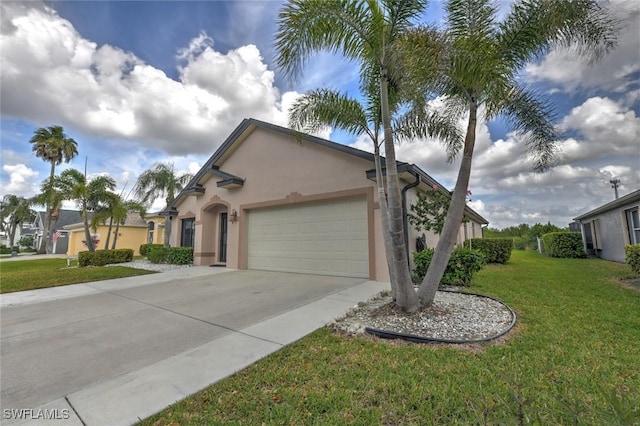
x=12 y=234
x=115 y=235
x=52 y=225
x=106 y=244
x=384 y=215
x=87 y=233
x=451 y=228
x=47 y=215
x=406 y=297
x=167 y=230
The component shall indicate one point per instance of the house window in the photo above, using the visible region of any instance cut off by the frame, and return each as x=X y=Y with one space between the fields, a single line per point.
x=188 y=231
x=152 y=227
x=597 y=244
x=633 y=225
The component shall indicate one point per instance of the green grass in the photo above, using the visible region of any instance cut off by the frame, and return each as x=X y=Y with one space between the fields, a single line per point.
x=31 y=274
x=572 y=359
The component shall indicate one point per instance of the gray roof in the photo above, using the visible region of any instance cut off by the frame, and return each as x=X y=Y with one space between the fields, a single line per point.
x=626 y=199
x=66 y=217
x=211 y=167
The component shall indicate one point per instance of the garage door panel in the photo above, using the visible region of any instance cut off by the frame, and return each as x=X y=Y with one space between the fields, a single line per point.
x=329 y=238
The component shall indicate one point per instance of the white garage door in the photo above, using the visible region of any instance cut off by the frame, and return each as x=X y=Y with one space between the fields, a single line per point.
x=328 y=238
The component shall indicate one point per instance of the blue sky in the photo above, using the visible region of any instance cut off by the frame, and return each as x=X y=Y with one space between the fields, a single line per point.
x=138 y=82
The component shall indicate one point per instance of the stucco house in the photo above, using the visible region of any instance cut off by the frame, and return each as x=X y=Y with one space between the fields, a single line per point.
x=273 y=199
x=131 y=234
x=607 y=229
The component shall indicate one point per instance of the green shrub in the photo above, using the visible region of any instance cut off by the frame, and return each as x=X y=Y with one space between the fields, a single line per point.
x=633 y=257
x=181 y=255
x=104 y=257
x=495 y=250
x=563 y=244
x=463 y=264
x=158 y=254
x=145 y=248
x=8 y=250
x=121 y=255
x=100 y=257
x=26 y=241
x=173 y=255
x=85 y=258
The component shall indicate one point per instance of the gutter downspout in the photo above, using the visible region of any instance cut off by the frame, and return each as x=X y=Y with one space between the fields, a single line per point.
x=404 y=213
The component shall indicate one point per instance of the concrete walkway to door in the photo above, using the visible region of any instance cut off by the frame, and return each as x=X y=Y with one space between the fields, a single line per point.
x=114 y=352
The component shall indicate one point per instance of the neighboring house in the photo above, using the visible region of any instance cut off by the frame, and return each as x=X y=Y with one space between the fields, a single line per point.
x=134 y=232
x=274 y=199
x=607 y=229
x=64 y=218
x=131 y=234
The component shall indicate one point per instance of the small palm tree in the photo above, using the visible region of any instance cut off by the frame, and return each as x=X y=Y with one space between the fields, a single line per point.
x=115 y=210
x=158 y=181
x=89 y=195
x=480 y=67
x=16 y=210
x=53 y=146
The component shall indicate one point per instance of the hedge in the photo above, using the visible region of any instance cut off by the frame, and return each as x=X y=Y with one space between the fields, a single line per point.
x=633 y=257
x=463 y=264
x=173 y=255
x=104 y=257
x=495 y=250
x=145 y=248
x=563 y=244
x=8 y=250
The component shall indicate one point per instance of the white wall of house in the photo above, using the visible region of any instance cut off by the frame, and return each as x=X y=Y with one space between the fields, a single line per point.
x=611 y=231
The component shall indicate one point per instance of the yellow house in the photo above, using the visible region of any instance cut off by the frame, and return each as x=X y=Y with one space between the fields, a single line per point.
x=134 y=232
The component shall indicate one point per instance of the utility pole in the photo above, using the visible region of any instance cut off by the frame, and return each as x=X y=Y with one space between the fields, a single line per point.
x=614 y=184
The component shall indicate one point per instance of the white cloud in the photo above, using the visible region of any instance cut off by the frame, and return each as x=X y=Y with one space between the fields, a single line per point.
x=52 y=74
x=22 y=180
x=617 y=71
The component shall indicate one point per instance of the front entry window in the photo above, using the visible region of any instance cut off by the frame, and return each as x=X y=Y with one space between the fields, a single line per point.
x=222 y=245
x=188 y=232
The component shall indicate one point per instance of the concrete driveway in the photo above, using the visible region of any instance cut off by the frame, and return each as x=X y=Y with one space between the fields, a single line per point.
x=114 y=351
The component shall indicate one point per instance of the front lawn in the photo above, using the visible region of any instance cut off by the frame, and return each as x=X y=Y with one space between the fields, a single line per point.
x=572 y=359
x=31 y=274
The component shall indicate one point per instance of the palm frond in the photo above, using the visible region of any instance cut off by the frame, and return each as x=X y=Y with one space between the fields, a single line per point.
x=534 y=27
x=423 y=122
x=533 y=119
x=309 y=26
x=324 y=107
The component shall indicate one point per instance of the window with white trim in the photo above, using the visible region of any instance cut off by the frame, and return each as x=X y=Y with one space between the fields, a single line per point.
x=633 y=225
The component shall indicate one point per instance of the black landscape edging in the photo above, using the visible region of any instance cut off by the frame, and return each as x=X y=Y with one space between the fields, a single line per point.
x=419 y=339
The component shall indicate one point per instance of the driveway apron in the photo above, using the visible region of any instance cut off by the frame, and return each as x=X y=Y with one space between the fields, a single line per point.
x=53 y=348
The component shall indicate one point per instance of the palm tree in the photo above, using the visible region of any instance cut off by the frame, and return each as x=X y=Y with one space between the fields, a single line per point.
x=115 y=209
x=365 y=32
x=53 y=146
x=89 y=195
x=161 y=180
x=324 y=107
x=51 y=195
x=17 y=210
x=480 y=69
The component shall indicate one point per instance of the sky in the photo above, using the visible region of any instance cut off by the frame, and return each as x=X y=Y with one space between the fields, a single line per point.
x=139 y=82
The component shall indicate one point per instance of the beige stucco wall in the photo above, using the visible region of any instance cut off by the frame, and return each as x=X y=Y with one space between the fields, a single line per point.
x=297 y=171
x=158 y=232
x=280 y=170
x=128 y=237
